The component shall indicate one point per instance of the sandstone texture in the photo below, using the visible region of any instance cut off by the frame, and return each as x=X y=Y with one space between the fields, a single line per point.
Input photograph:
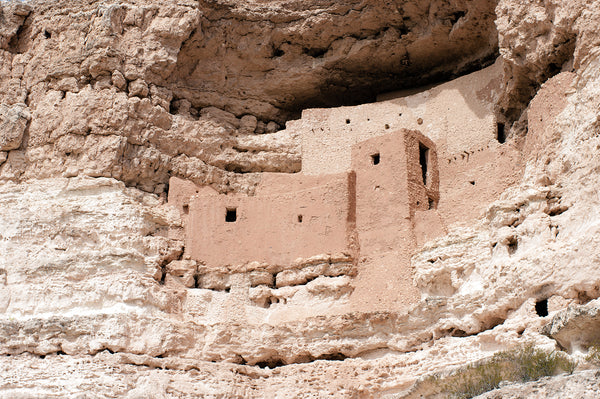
x=120 y=120
x=579 y=385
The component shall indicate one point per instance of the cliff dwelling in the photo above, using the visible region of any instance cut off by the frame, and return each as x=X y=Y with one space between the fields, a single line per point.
x=299 y=199
x=296 y=216
x=363 y=193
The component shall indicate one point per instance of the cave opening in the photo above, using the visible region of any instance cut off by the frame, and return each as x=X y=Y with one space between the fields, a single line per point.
x=500 y=133
x=541 y=308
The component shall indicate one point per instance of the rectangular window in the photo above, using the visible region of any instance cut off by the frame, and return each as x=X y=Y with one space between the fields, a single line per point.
x=500 y=133
x=231 y=215
x=375 y=158
x=423 y=160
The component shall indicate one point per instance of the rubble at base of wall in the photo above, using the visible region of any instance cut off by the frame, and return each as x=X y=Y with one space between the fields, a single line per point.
x=263 y=280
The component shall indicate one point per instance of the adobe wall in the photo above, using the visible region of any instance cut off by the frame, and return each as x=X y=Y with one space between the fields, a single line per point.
x=291 y=216
x=548 y=103
x=369 y=219
x=390 y=190
x=458 y=116
x=388 y=194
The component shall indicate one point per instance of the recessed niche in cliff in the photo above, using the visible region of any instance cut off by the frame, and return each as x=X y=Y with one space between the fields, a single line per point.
x=273 y=62
x=541 y=308
x=512 y=245
x=275 y=362
x=19 y=42
x=527 y=68
x=500 y=133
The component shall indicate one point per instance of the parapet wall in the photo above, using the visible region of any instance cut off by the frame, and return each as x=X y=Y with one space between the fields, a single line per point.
x=292 y=216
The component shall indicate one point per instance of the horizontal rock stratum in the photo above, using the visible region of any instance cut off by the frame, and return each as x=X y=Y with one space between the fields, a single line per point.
x=269 y=199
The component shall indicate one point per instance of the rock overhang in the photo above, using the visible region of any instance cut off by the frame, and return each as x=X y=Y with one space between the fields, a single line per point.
x=281 y=57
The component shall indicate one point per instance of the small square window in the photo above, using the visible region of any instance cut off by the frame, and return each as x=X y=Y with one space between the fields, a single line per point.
x=231 y=215
x=375 y=159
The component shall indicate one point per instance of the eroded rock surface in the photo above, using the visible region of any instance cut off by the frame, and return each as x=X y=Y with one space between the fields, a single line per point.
x=139 y=91
x=581 y=385
x=102 y=103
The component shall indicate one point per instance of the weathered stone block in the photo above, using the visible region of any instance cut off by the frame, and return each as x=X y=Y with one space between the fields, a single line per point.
x=248 y=124
x=214 y=281
x=181 y=272
x=119 y=80
x=258 y=277
x=13 y=121
x=138 y=88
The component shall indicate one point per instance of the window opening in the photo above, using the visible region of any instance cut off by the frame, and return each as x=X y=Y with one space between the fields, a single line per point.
x=541 y=308
x=513 y=245
x=231 y=215
x=299 y=218
x=423 y=159
x=500 y=133
x=431 y=203
x=375 y=158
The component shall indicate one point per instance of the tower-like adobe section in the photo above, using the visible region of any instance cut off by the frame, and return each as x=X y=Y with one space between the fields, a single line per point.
x=396 y=175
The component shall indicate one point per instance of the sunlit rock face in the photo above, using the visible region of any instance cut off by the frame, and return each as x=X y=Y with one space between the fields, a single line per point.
x=104 y=106
x=153 y=90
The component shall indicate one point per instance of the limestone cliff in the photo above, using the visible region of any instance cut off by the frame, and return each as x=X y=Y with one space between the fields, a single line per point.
x=101 y=104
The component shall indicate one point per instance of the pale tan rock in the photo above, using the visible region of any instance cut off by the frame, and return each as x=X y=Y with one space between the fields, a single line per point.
x=258 y=277
x=582 y=384
x=119 y=80
x=13 y=121
x=219 y=116
x=138 y=88
x=161 y=96
x=248 y=124
x=271 y=127
x=67 y=84
x=14 y=15
x=81 y=257
x=576 y=327
x=74 y=247
x=181 y=272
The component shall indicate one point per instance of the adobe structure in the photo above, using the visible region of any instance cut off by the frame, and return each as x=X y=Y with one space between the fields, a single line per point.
x=377 y=182
x=360 y=213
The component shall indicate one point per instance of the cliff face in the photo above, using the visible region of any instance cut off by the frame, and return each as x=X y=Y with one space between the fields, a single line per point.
x=180 y=89
x=100 y=104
